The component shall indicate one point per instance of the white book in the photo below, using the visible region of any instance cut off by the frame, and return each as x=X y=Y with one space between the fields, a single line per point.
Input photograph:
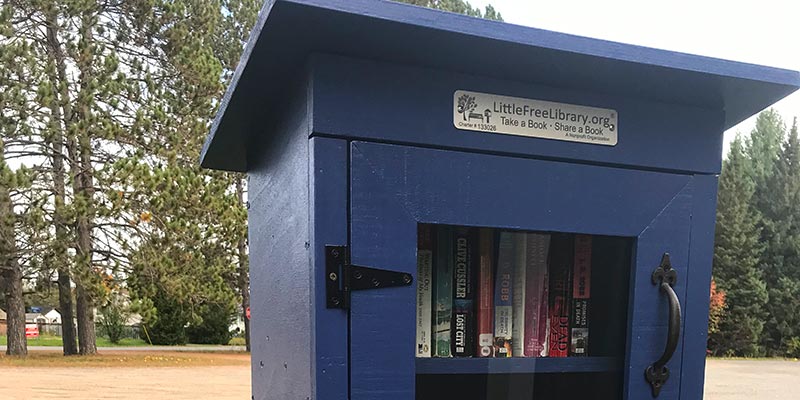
x=424 y=302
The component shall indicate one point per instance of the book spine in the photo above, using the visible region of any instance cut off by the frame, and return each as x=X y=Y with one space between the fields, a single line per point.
x=485 y=294
x=503 y=296
x=536 y=295
x=463 y=332
x=424 y=290
x=518 y=288
x=443 y=282
x=581 y=293
x=560 y=268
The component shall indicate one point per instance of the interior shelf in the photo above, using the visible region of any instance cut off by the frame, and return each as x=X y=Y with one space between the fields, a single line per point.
x=516 y=365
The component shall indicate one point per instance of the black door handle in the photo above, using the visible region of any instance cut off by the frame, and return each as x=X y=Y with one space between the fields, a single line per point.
x=666 y=277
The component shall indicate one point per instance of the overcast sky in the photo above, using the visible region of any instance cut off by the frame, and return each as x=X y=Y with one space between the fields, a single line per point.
x=763 y=32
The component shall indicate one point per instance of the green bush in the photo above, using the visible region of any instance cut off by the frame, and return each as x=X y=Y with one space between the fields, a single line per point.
x=214 y=327
x=793 y=347
x=237 y=341
x=113 y=318
x=167 y=326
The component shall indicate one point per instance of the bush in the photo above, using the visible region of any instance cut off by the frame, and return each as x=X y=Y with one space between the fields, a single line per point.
x=113 y=319
x=166 y=325
x=793 y=347
x=214 y=328
x=237 y=341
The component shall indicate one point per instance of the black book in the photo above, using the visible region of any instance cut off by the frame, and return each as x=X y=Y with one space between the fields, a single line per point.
x=465 y=258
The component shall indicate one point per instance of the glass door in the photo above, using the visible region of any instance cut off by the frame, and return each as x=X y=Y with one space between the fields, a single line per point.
x=532 y=278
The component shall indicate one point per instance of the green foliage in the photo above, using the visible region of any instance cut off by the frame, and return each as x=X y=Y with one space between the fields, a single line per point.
x=757 y=253
x=458 y=6
x=214 y=328
x=736 y=256
x=167 y=323
x=113 y=318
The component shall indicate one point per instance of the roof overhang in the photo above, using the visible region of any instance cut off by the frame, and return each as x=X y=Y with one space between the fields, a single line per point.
x=287 y=31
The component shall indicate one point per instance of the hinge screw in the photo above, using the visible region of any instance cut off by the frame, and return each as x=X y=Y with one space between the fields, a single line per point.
x=335 y=300
x=332 y=276
x=357 y=275
x=376 y=282
x=406 y=279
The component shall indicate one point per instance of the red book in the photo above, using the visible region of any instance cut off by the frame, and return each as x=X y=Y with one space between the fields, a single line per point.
x=561 y=251
x=485 y=316
x=581 y=285
x=535 y=342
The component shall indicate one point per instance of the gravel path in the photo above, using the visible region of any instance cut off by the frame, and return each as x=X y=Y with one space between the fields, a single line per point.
x=725 y=380
x=192 y=383
x=752 y=380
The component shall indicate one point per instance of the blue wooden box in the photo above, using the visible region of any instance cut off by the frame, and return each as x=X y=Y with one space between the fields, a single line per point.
x=342 y=115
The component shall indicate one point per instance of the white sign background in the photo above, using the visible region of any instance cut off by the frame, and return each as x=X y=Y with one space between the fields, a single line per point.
x=492 y=113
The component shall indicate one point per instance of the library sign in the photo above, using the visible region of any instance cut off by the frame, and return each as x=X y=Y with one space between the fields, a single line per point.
x=492 y=113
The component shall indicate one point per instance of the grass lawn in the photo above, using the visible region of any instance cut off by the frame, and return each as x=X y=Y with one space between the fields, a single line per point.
x=121 y=358
x=56 y=341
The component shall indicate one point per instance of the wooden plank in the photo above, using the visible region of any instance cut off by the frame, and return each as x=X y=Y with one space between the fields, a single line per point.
x=648 y=317
x=328 y=225
x=279 y=260
x=652 y=135
x=517 y=365
x=446 y=187
x=701 y=253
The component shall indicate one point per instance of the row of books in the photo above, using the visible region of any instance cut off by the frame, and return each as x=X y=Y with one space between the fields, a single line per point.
x=483 y=292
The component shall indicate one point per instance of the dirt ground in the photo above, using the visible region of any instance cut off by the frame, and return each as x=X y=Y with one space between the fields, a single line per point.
x=752 y=380
x=196 y=376
x=122 y=375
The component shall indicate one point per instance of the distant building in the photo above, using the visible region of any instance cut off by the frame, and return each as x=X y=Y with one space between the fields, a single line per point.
x=47 y=315
x=3 y=328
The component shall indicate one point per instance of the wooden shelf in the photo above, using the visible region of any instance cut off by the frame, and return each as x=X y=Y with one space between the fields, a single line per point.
x=516 y=365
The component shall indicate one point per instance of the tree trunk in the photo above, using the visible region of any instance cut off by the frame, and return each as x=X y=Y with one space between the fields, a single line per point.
x=87 y=339
x=243 y=270
x=70 y=345
x=15 y=319
x=17 y=344
x=85 y=271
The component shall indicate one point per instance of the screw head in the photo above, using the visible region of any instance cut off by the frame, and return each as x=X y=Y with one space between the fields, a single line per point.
x=332 y=276
x=335 y=300
x=357 y=275
x=406 y=279
x=376 y=282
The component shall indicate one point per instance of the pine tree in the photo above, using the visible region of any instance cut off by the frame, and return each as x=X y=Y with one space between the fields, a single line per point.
x=762 y=148
x=781 y=261
x=10 y=268
x=458 y=6
x=736 y=256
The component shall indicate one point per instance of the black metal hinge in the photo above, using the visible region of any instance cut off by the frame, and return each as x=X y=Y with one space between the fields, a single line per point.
x=342 y=277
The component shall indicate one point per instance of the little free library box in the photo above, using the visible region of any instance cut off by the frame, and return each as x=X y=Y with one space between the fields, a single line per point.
x=444 y=207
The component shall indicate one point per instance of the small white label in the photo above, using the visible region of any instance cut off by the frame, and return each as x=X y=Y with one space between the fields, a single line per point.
x=492 y=113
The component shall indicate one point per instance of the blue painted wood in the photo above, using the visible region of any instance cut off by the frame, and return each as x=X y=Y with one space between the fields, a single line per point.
x=398 y=33
x=395 y=187
x=649 y=308
x=651 y=134
x=328 y=226
x=280 y=275
x=701 y=252
x=448 y=366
